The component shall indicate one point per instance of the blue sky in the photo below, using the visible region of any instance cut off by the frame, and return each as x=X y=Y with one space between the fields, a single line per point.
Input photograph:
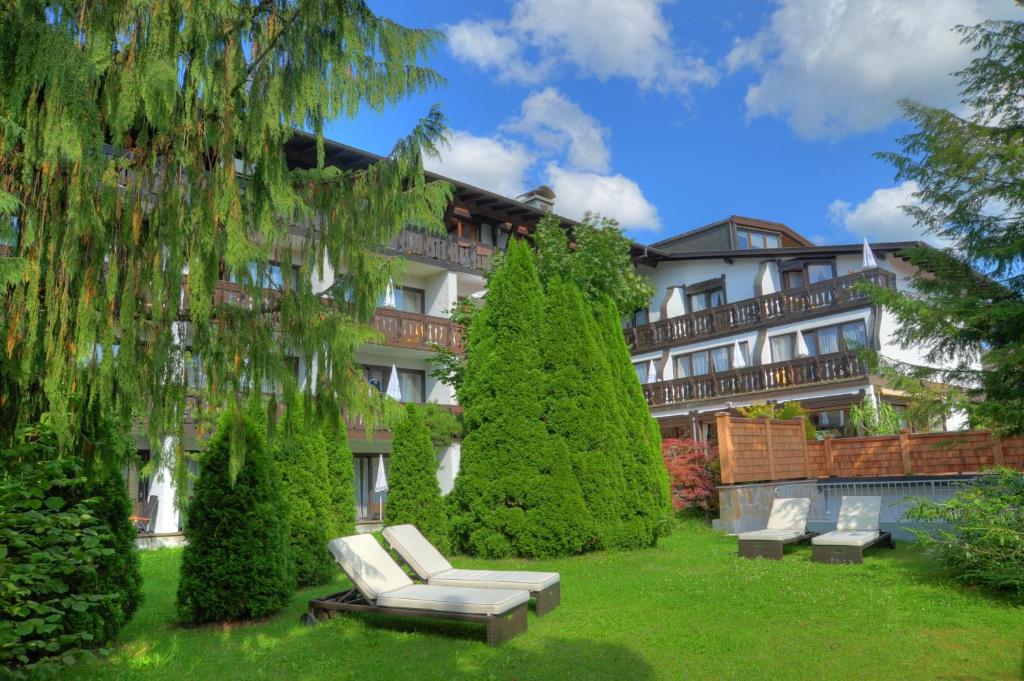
x=670 y=115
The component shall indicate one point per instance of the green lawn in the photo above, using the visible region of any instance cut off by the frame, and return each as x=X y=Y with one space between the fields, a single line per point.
x=689 y=609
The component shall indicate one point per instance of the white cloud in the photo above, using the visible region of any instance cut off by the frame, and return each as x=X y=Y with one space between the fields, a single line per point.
x=556 y=123
x=488 y=45
x=487 y=162
x=613 y=196
x=881 y=217
x=835 y=67
x=599 y=38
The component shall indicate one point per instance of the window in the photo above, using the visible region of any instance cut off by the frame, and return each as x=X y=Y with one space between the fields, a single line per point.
x=639 y=318
x=800 y=273
x=469 y=231
x=825 y=340
x=706 y=299
x=855 y=335
x=752 y=238
x=270 y=275
x=410 y=299
x=715 y=360
x=641 y=370
x=411 y=382
x=368 y=502
x=782 y=347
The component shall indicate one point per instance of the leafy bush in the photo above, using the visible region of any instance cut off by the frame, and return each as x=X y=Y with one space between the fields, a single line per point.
x=787 y=410
x=414 y=495
x=236 y=564
x=516 y=493
x=69 y=571
x=443 y=426
x=694 y=473
x=982 y=540
x=341 y=475
x=300 y=452
x=870 y=419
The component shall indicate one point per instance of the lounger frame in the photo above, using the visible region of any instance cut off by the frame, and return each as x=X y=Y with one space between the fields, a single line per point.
x=837 y=553
x=772 y=549
x=500 y=628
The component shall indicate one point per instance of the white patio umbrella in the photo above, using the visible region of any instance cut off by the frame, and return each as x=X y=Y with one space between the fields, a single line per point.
x=869 y=256
x=394 y=389
x=381 y=486
x=738 y=362
x=652 y=373
x=389 y=295
x=801 y=349
x=767 y=283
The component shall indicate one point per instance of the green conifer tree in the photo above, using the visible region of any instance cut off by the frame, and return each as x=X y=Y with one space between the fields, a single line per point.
x=414 y=495
x=341 y=475
x=236 y=564
x=300 y=452
x=516 y=493
x=578 y=409
x=643 y=436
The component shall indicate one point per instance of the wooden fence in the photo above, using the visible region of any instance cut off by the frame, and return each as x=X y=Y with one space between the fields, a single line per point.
x=758 y=450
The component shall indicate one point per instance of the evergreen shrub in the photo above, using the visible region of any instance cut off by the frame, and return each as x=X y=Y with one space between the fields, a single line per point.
x=414 y=495
x=341 y=480
x=236 y=564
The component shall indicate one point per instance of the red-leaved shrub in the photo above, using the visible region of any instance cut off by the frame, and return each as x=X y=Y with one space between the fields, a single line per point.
x=694 y=473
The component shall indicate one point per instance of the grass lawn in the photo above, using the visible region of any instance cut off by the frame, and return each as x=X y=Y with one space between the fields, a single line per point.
x=689 y=609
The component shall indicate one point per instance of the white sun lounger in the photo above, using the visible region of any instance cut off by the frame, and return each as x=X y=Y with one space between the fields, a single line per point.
x=787 y=524
x=381 y=586
x=857 y=529
x=428 y=563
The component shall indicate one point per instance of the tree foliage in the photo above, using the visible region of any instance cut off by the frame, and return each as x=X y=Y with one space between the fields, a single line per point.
x=414 y=496
x=143 y=140
x=516 y=493
x=300 y=453
x=236 y=564
x=578 y=410
x=967 y=303
x=645 y=470
x=979 y=533
x=341 y=475
x=875 y=419
x=785 y=410
x=597 y=261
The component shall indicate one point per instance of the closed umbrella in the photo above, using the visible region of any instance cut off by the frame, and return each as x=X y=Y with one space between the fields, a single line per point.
x=389 y=295
x=801 y=345
x=394 y=389
x=767 y=283
x=869 y=256
x=381 y=486
x=652 y=373
x=738 y=362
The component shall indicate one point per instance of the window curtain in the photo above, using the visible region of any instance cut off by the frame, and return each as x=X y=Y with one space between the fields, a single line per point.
x=411 y=385
x=855 y=335
x=641 y=371
x=700 y=363
x=782 y=348
x=682 y=366
x=720 y=358
x=697 y=302
x=828 y=340
x=717 y=297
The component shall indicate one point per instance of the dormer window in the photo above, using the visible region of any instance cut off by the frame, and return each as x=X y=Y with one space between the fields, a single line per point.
x=755 y=238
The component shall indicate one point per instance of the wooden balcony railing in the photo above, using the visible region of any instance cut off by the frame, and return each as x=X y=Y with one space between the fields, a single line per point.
x=471 y=255
x=412 y=330
x=834 y=294
x=778 y=376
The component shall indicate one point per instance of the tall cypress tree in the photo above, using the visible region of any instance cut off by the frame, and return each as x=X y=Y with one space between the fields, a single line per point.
x=516 y=493
x=647 y=473
x=578 y=409
x=300 y=452
x=341 y=479
x=414 y=495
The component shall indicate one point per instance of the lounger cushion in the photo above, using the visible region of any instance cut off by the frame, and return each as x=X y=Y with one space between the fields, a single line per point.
x=496 y=579
x=453 y=599
x=789 y=514
x=771 y=535
x=416 y=550
x=846 y=538
x=859 y=513
x=368 y=565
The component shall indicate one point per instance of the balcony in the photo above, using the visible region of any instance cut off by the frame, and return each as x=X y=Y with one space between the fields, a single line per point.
x=827 y=296
x=804 y=371
x=419 y=331
x=468 y=255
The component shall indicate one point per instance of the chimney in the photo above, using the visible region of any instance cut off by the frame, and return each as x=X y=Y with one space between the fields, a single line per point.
x=541 y=198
